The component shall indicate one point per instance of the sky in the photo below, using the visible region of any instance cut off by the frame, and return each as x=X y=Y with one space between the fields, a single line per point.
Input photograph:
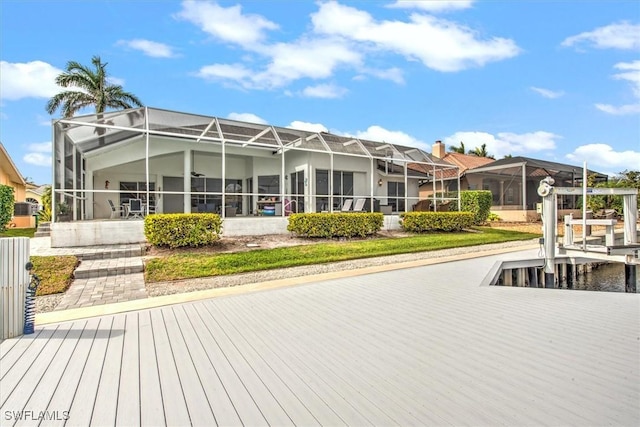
x=551 y=80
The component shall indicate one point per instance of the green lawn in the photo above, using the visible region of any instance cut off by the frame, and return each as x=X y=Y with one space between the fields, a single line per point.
x=55 y=273
x=18 y=232
x=185 y=266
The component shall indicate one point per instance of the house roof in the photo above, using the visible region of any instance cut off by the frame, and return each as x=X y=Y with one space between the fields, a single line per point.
x=37 y=189
x=12 y=170
x=535 y=167
x=94 y=132
x=467 y=161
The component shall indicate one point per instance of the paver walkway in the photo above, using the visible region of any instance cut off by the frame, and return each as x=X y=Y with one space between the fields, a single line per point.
x=107 y=274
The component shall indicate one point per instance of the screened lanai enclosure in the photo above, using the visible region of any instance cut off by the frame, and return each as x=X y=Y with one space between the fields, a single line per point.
x=131 y=163
x=514 y=181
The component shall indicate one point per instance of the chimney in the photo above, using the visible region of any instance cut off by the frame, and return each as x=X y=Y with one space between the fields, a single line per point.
x=438 y=149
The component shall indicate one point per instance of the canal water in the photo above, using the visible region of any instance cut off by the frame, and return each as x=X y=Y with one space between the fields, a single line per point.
x=604 y=277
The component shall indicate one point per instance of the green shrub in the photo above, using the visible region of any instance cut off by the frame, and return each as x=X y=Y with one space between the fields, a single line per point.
x=45 y=213
x=493 y=217
x=6 y=205
x=335 y=225
x=179 y=230
x=420 y=222
x=477 y=202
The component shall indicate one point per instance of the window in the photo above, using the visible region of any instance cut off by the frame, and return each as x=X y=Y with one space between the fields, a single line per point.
x=137 y=190
x=269 y=185
x=342 y=186
x=322 y=189
x=206 y=202
x=342 y=189
x=395 y=194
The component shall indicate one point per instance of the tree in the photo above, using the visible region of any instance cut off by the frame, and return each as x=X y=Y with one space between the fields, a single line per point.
x=92 y=89
x=624 y=179
x=459 y=149
x=481 y=151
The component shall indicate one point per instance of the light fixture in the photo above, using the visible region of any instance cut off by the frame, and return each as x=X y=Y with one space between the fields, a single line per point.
x=380 y=182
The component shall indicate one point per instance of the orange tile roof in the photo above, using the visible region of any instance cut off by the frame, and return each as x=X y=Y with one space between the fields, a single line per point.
x=466 y=161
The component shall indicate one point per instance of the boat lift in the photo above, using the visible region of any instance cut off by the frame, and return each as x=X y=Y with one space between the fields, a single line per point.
x=610 y=252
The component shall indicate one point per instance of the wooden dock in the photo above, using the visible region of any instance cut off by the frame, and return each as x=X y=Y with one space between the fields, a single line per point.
x=421 y=346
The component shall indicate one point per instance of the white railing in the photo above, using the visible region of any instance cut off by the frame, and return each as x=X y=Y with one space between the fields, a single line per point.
x=14 y=280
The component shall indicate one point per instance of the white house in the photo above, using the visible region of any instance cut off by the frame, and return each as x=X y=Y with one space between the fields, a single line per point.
x=178 y=162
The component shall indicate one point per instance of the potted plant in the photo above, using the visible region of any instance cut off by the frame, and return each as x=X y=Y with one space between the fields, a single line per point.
x=63 y=212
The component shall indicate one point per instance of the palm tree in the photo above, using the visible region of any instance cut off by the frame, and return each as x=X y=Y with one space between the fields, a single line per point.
x=481 y=151
x=92 y=87
x=460 y=149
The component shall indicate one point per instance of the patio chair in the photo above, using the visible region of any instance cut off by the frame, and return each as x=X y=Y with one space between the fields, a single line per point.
x=116 y=211
x=135 y=208
x=359 y=206
x=346 y=206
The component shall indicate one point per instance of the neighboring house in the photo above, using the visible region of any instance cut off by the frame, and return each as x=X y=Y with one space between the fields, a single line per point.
x=34 y=193
x=11 y=176
x=514 y=182
x=447 y=179
x=179 y=162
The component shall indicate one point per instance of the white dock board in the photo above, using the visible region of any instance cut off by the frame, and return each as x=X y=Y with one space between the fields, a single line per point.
x=421 y=346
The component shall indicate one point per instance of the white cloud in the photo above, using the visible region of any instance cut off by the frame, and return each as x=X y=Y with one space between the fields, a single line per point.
x=34 y=79
x=505 y=143
x=378 y=133
x=39 y=154
x=432 y=5
x=440 y=44
x=547 y=93
x=247 y=117
x=306 y=58
x=620 y=110
x=149 y=48
x=228 y=24
x=394 y=74
x=236 y=73
x=324 y=91
x=603 y=155
x=621 y=35
x=341 y=37
x=630 y=73
x=314 y=59
x=311 y=127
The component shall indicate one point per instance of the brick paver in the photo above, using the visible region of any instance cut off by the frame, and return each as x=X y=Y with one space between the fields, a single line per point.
x=106 y=274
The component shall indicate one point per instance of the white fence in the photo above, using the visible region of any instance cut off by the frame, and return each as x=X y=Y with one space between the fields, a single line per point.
x=14 y=280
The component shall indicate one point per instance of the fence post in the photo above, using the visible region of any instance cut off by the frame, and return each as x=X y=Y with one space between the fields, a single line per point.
x=14 y=280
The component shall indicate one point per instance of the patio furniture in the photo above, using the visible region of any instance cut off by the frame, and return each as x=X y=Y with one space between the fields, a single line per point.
x=136 y=209
x=359 y=206
x=116 y=211
x=346 y=206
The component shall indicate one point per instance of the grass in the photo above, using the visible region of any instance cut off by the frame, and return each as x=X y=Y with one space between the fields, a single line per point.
x=187 y=266
x=18 y=232
x=55 y=273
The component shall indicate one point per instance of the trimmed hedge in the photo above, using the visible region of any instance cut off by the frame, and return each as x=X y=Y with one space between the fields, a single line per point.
x=6 y=205
x=357 y=224
x=179 y=230
x=420 y=222
x=477 y=202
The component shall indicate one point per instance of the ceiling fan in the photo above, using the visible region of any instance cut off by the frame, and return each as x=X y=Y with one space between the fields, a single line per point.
x=193 y=164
